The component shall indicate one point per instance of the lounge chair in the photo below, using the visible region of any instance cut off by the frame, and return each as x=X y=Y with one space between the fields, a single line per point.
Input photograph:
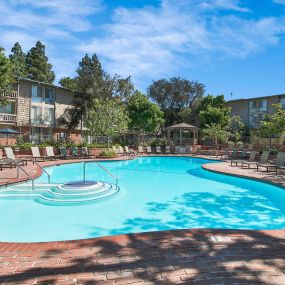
x=177 y=149
x=130 y=152
x=50 y=153
x=116 y=150
x=188 y=149
x=182 y=150
x=158 y=149
x=140 y=150
x=121 y=151
x=6 y=163
x=263 y=160
x=36 y=156
x=233 y=154
x=279 y=163
x=167 y=149
x=63 y=153
x=74 y=152
x=85 y=153
x=148 y=149
x=10 y=156
x=250 y=159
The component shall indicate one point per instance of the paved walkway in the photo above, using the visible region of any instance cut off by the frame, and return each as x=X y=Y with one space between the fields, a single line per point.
x=169 y=257
x=173 y=257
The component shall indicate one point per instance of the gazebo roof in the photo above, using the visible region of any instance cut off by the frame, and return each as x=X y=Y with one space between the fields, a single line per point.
x=181 y=126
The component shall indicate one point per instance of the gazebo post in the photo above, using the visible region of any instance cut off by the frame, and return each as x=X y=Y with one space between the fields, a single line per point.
x=180 y=136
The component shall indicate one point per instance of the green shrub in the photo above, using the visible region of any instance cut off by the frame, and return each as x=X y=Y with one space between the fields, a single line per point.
x=108 y=153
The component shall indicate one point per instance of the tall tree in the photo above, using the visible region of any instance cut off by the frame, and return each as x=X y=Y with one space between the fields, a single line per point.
x=38 y=67
x=68 y=82
x=124 y=88
x=107 y=118
x=145 y=116
x=173 y=95
x=6 y=75
x=18 y=59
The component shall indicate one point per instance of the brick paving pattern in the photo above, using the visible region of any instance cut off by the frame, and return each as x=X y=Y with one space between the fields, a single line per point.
x=172 y=257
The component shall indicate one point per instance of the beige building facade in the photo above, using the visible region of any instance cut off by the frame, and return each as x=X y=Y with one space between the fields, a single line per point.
x=34 y=109
x=253 y=110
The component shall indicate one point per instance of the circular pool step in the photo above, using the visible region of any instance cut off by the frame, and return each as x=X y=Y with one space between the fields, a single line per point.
x=63 y=194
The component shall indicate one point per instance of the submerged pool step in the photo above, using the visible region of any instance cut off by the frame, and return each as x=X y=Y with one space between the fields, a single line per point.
x=55 y=194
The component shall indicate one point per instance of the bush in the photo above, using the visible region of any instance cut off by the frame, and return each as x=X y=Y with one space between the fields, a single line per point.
x=108 y=153
x=158 y=142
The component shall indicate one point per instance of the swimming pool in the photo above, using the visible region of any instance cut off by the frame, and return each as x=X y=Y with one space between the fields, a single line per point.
x=156 y=193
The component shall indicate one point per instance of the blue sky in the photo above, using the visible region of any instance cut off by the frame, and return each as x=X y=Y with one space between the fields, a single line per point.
x=231 y=46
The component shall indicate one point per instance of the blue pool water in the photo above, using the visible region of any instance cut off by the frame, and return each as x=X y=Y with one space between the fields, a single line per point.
x=156 y=193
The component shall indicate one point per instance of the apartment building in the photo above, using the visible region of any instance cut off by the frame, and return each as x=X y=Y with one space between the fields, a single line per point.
x=253 y=110
x=34 y=109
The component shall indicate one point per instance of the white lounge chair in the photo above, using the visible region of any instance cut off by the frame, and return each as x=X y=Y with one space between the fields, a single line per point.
x=148 y=149
x=167 y=149
x=10 y=155
x=50 y=153
x=140 y=150
x=36 y=156
x=158 y=149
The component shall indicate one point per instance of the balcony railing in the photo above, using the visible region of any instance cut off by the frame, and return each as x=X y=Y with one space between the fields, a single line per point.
x=8 y=118
x=12 y=95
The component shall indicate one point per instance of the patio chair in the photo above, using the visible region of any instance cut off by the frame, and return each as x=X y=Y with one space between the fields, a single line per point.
x=182 y=150
x=130 y=152
x=177 y=149
x=148 y=149
x=85 y=153
x=50 y=153
x=140 y=150
x=251 y=158
x=233 y=154
x=263 y=160
x=64 y=154
x=188 y=149
x=36 y=156
x=121 y=150
x=74 y=152
x=278 y=164
x=116 y=150
x=10 y=156
x=6 y=163
x=158 y=149
x=167 y=149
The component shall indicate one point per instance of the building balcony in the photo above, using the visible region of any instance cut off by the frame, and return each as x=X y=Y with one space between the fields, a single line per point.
x=8 y=118
x=10 y=95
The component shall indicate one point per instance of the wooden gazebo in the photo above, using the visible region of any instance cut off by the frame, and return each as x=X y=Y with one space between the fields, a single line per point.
x=181 y=128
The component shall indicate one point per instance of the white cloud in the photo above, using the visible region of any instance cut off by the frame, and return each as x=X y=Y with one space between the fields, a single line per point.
x=152 y=42
x=279 y=1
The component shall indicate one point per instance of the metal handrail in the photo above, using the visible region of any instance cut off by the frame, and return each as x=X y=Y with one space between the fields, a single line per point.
x=48 y=175
x=106 y=170
x=29 y=176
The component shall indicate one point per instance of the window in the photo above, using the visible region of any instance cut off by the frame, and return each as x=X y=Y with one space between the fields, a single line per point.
x=49 y=96
x=262 y=105
x=7 y=109
x=37 y=94
x=36 y=115
x=49 y=116
x=252 y=106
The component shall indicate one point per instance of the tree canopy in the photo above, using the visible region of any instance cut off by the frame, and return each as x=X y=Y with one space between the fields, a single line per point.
x=273 y=124
x=173 y=95
x=38 y=67
x=212 y=110
x=6 y=75
x=145 y=117
x=68 y=82
x=107 y=118
x=18 y=60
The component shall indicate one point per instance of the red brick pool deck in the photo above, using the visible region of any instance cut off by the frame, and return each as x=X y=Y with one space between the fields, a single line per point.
x=167 y=257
